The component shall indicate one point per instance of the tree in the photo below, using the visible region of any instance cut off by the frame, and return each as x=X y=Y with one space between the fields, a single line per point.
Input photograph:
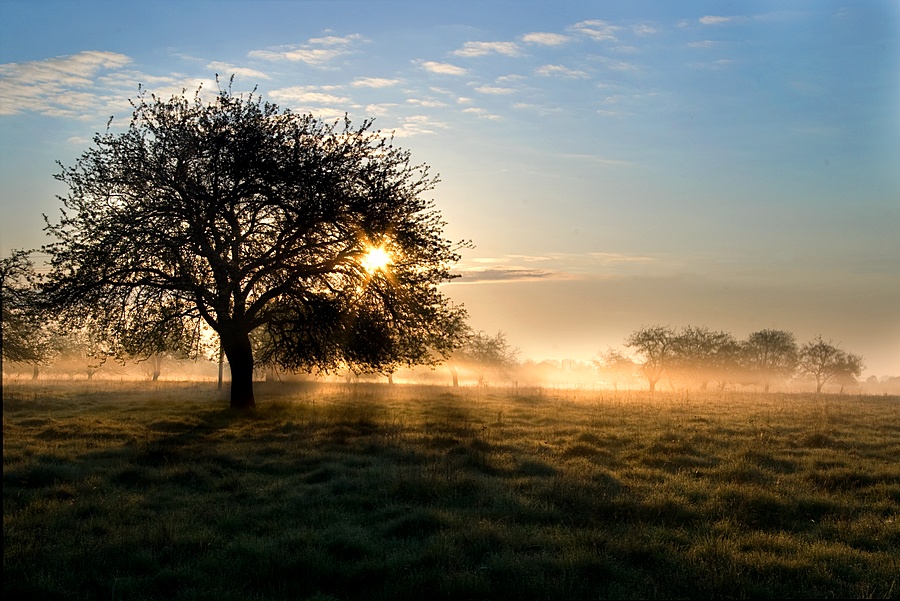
x=24 y=339
x=705 y=355
x=83 y=350
x=657 y=345
x=825 y=361
x=770 y=355
x=255 y=220
x=166 y=335
x=615 y=366
x=481 y=351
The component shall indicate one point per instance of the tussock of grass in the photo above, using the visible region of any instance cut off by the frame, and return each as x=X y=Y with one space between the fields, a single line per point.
x=381 y=492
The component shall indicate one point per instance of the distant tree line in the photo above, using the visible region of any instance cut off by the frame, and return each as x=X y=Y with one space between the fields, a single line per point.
x=699 y=356
x=689 y=356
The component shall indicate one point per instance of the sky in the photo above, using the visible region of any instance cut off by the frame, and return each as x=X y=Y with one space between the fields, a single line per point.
x=616 y=164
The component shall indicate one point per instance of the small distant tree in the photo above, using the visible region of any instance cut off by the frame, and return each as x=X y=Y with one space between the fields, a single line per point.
x=825 y=361
x=481 y=352
x=615 y=366
x=657 y=346
x=769 y=356
x=167 y=335
x=82 y=349
x=251 y=219
x=704 y=355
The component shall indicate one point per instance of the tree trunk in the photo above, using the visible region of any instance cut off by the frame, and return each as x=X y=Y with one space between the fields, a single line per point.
x=157 y=361
x=34 y=371
x=455 y=374
x=240 y=357
x=221 y=363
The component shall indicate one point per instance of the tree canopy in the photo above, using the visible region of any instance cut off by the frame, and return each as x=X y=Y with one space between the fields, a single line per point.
x=244 y=218
x=22 y=340
x=824 y=361
x=770 y=356
x=657 y=345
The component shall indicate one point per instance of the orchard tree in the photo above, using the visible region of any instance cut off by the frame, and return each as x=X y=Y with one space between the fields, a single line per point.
x=168 y=334
x=825 y=361
x=24 y=336
x=481 y=351
x=769 y=356
x=705 y=355
x=657 y=345
x=613 y=365
x=316 y=236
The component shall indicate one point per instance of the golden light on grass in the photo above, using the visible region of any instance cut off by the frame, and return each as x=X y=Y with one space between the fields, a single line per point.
x=375 y=259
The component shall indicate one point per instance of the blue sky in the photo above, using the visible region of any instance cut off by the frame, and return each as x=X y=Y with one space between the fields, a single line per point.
x=616 y=164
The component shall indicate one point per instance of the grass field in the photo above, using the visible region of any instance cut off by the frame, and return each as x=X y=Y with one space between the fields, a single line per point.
x=114 y=491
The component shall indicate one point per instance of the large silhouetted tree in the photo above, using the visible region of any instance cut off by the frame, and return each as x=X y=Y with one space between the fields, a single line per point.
x=252 y=219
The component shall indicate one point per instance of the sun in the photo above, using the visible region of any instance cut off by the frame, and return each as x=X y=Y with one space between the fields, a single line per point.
x=376 y=258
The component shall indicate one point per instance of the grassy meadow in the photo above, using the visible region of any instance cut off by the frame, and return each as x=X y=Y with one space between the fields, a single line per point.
x=370 y=491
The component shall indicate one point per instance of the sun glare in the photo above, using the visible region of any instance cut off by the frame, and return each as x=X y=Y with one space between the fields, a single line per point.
x=376 y=258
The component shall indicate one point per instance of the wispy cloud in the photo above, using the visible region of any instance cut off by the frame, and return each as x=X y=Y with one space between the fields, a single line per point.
x=644 y=30
x=417 y=125
x=471 y=49
x=316 y=52
x=499 y=274
x=559 y=266
x=596 y=30
x=702 y=44
x=715 y=20
x=428 y=103
x=494 y=90
x=336 y=41
x=60 y=86
x=711 y=65
x=442 y=68
x=481 y=113
x=379 y=110
x=615 y=65
x=537 y=108
x=560 y=71
x=374 y=82
x=307 y=95
x=545 y=39
x=226 y=70
x=312 y=100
